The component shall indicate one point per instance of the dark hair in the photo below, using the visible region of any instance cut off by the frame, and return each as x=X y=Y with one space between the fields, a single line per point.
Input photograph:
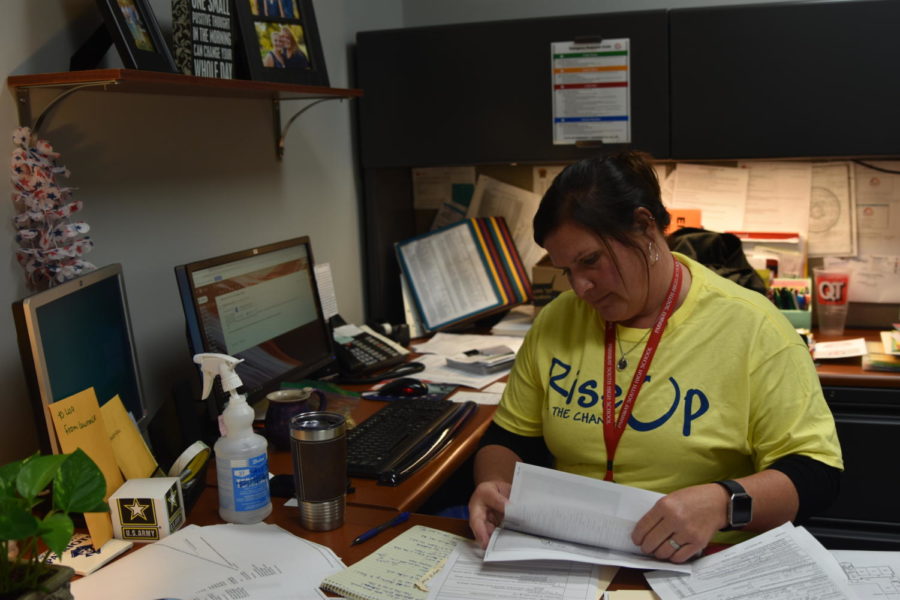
x=602 y=194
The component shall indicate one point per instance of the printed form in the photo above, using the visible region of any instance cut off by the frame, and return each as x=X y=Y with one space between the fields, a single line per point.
x=784 y=563
x=466 y=576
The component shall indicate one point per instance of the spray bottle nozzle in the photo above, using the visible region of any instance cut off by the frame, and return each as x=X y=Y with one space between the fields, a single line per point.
x=212 y=364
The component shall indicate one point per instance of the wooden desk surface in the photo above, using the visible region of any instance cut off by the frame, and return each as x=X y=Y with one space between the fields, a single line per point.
x=848 y=372
x=358 y=519
x=412 y=493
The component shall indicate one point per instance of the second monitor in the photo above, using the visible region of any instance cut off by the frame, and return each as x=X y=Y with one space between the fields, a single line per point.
x=261 y=305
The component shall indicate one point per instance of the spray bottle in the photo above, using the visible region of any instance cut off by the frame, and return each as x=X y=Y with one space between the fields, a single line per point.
x=242 y=465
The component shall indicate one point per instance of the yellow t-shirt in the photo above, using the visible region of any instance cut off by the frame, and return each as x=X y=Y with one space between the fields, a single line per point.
x=731 y=389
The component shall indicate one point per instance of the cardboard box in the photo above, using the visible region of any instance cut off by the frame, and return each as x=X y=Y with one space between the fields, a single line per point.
x=147 y=510
x=547 y=281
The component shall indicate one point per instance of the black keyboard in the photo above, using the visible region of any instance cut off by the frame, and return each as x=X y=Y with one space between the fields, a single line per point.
x=402 y=436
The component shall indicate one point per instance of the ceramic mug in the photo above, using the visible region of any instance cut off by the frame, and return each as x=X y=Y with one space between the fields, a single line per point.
x=283 y=405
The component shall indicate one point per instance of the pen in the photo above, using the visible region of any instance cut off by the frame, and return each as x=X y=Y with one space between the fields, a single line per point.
x=376 y=530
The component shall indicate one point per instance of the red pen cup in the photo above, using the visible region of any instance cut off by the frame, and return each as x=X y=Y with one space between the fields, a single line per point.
x=832 y=287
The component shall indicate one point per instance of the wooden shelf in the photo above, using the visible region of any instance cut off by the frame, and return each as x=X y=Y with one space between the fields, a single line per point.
x=174 y=84
x=152 y=82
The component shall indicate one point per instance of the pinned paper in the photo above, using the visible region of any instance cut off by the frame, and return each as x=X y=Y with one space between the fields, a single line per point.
x=129 y=448
x=79 y=424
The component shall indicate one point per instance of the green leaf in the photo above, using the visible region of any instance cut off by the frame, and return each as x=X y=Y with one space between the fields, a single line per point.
x=37 y=472
x=8 y=474
x=16 y=520
x=56 y=530
x=79 y=485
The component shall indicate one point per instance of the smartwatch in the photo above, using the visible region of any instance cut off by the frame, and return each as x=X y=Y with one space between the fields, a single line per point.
x=740 y=505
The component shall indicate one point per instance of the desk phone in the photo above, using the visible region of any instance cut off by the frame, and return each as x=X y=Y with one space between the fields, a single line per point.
x=361 y=349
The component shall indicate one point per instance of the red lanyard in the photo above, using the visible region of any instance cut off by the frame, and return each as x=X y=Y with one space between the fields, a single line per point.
x=613 y=427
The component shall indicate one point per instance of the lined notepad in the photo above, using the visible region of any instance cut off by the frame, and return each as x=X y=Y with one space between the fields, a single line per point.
x=393 y=570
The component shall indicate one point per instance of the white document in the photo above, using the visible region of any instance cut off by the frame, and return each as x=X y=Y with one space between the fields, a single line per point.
x=435 y=186
x=557 y=515
x=878 y=208
x=441 y=345
x=487 y=398
x=666 y=183
x=778 y=196
x=840 y=349
x=325 y=283
x=495 y=198
x=260 y=561
x=872 y=575
x=832 y=208
x=591 y=91
x=465 y=576
x=542 y=177
x=437 y=371
x=448 y=344
x=450 y=279
x=785 y=563
x=872 y=278
x=719 y=192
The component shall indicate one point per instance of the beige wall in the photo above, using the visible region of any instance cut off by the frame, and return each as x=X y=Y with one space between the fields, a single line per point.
x=166 y=180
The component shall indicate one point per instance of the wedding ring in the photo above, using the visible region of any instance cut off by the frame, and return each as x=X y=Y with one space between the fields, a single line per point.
x=674 y=544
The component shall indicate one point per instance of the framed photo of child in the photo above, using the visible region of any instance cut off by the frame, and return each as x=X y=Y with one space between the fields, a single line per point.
x=280 y=42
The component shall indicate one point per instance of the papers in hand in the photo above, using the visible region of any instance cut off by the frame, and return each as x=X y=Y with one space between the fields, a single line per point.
x=557 y=515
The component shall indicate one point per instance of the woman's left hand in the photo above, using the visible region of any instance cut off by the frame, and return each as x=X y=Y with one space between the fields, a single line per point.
x=681 y=524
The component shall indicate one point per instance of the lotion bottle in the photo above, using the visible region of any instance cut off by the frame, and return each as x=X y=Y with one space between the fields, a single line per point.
x=242 y=464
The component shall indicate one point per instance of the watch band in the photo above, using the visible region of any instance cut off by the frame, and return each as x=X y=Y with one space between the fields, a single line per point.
x=740 y=505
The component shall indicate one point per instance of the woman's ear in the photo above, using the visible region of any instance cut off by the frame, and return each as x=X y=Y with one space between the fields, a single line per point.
x=645 y=222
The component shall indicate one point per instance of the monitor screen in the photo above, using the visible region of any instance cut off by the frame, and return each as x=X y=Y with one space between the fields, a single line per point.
x=261 y=305
x=75 y=336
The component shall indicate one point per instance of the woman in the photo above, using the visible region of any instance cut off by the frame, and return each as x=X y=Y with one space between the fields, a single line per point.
x=285 y=52
x=725 y=388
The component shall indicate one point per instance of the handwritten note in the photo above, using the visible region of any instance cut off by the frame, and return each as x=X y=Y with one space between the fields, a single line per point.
x=79 y=424
x=393 y=570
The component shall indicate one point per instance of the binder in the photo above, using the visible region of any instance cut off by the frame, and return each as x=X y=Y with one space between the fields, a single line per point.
x=463 y=272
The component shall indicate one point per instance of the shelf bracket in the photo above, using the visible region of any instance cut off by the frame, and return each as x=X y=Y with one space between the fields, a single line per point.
x=23 y=102
x=281 y=132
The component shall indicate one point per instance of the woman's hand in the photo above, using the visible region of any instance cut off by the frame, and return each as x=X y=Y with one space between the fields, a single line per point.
x=486 y=509
x=681 y=524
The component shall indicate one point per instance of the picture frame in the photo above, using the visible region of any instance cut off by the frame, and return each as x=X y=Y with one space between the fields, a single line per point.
x=136 y=35
x=279 y=42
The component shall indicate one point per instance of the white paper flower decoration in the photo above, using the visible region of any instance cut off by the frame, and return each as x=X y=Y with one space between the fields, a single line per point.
x=51 y=243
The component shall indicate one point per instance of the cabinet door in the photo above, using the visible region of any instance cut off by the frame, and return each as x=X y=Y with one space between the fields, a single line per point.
x=481 y=93
x=775 y=80
x=864 y=515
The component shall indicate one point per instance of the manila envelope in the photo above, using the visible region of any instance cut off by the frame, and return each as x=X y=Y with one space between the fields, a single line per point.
x=79 y=424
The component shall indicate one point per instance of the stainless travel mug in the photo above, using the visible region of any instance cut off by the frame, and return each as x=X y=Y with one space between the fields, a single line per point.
x=319 y=453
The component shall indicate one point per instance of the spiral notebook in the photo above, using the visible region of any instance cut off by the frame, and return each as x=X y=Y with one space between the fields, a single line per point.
x=399 y=569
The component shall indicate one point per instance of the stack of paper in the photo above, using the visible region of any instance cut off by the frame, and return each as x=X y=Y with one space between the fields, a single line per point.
x=261 y=561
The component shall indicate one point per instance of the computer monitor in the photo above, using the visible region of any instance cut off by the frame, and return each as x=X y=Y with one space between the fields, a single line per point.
x=75 y=336
x=261 y=305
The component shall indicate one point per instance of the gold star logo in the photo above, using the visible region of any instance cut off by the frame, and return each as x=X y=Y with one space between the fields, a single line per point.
x=173 y=500
x=137 y=509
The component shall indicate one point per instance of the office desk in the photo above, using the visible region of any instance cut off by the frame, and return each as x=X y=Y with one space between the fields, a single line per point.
x=412 y=493
x=866 y=408
x=358 y=519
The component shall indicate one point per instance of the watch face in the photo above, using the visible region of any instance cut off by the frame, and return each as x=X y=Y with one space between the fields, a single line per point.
x=740 y=510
